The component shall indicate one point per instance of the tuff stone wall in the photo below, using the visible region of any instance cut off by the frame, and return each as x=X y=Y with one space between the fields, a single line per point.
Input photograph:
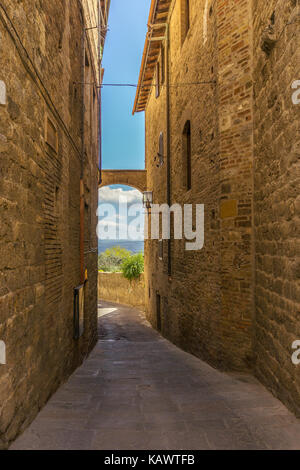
x=206 y=304
x=113 y=287
x=276 y=198
x=40 y=142
x=236 y=302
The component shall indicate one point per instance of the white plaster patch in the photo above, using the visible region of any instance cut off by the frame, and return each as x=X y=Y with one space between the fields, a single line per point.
x=2 y=353
x=2 y=92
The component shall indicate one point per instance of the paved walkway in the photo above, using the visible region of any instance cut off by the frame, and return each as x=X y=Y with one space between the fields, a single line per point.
x=138 y=391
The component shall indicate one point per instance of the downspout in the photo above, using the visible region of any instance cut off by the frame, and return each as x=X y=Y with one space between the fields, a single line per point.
x=168 y=142
x=99 y=92
x=82 y=154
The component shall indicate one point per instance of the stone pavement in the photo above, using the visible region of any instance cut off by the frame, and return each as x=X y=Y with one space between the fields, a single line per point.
x=138 y=391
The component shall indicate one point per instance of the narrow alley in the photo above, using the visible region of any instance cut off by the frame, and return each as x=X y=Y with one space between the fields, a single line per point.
x=138 y=391
x=149 y=157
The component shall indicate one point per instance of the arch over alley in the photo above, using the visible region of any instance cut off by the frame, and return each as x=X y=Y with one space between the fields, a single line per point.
x=135 y=178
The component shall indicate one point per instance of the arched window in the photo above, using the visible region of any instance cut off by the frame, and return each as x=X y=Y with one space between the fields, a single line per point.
x=185 y=18
x=162 y=59
x=157 y=85
x=187 y=155
x=161 y=148
x=159 y=158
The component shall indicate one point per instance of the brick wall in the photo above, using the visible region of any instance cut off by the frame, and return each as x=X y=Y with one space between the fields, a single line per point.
x=235 y=303
x=207 y=303
x=276 y=198
x=235 y=163
x=39 y=205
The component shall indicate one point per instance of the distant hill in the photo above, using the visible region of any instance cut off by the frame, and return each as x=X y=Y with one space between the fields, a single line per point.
x=131 y=245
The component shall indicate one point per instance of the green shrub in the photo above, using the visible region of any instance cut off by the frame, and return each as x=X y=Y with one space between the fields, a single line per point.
x=112 y=258
x=133 y=267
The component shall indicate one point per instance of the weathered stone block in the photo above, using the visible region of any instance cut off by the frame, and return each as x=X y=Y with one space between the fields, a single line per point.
x=228 y=208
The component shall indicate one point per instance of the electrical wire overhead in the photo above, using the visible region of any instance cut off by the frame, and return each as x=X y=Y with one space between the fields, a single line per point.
x=209 y=82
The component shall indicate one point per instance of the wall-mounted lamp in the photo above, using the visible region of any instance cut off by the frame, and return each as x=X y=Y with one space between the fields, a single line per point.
x=147 y=199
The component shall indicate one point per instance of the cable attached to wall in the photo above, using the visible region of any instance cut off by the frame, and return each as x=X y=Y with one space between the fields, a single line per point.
x=150 y=85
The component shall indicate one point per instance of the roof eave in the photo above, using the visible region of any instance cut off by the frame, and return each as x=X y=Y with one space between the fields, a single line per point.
x=145 y=52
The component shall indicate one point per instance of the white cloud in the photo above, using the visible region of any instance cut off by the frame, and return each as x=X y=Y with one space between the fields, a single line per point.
x=113 y=195
x=122 y=224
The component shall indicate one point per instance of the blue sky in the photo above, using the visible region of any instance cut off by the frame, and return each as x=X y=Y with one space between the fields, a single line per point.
x=123 y=141
x=123 y=135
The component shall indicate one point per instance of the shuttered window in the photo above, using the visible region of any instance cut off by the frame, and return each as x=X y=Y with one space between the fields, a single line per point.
x=187 y=154
x=157 y=85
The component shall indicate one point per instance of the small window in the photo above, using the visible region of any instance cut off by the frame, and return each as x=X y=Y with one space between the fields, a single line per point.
x=87 y=62
x=157 y=86
x=161 y=144
x=187 y=155
x=162 y=60
x=159 y=158
x=78 y=311
x=160 y=249
x=185 y=18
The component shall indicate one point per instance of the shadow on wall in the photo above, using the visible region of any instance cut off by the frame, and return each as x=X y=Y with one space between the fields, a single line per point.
x=113 y=287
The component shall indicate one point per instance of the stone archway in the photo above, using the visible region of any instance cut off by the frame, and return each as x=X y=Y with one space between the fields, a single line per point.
x=135 y=178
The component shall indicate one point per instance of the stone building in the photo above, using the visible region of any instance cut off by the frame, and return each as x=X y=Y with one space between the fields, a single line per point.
x=49 y=143
x=222 y=130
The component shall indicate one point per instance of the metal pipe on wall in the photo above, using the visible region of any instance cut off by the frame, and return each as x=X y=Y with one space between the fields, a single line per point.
x=81 y=236
x=99 y=91
x=82 y=271
x=168 y=139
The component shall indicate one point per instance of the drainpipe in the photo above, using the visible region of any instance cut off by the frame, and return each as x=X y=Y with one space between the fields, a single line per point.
x=168 y=141
x=99 y=92
x=81 y=231
x=82 y=153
